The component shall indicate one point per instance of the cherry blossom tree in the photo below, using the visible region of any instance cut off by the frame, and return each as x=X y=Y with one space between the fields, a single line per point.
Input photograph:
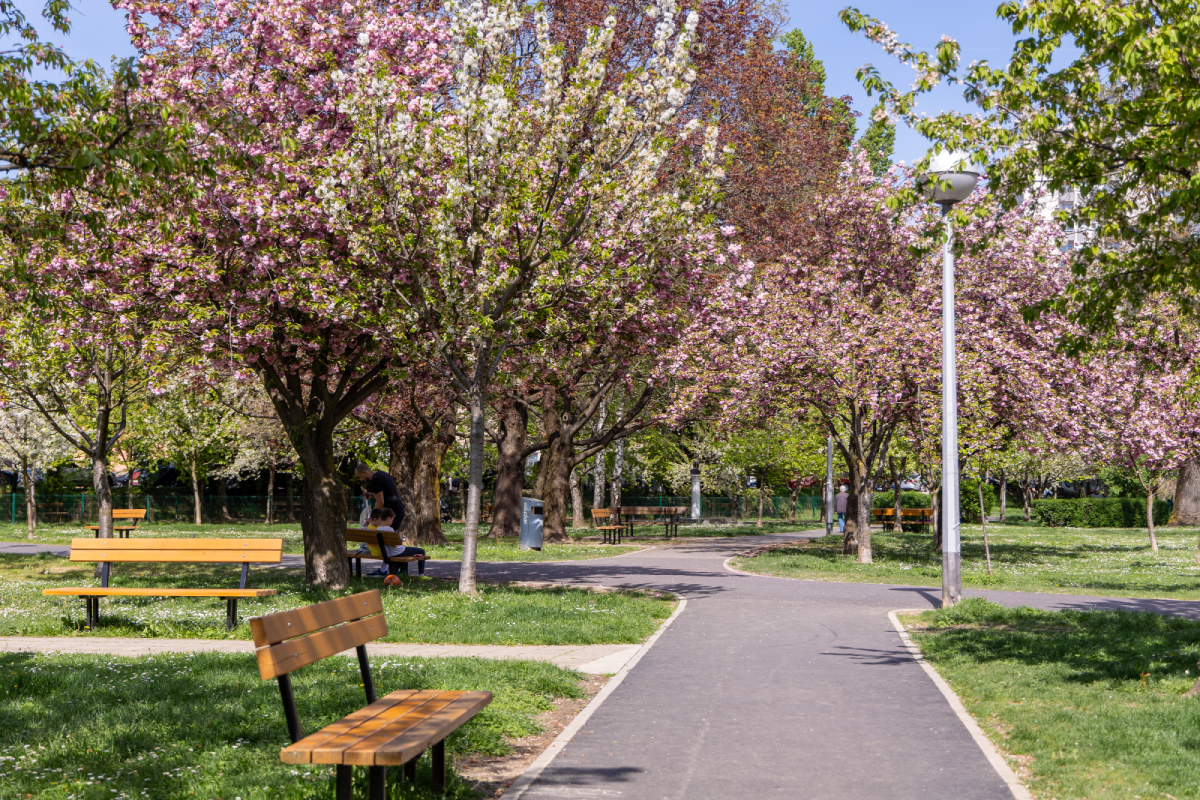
x=528 y=196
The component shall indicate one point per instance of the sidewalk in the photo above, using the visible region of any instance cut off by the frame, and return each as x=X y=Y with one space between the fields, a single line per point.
x=596 y=659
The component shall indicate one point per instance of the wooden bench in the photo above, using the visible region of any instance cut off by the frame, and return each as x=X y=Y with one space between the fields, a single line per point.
x=611 y=533
x=666 y=516
x=390 y=731
x=378 y=539
x=172 y=551
x=915 y=516
x=121 y=513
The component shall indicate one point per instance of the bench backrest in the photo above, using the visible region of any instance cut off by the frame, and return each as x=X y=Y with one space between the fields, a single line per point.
x=198 y=551
x=288 y=640
x=601 y=513
x=372 y=536
x=129 y=513
x=916 y=512
x=648 y=510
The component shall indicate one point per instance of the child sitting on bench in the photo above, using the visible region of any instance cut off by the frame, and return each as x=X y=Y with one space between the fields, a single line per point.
x=385 y=525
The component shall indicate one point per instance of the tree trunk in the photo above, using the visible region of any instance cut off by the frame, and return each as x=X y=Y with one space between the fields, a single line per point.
x=1026 y=498
x=1003 y=498
x=223 y=500
x=1150 y=520
x=554 y=475
x=600 y=468
x=104 y=500
x=1187 y=494
x=987 y=550
x=478 y=431
x=897 y=518
x=427 y=480
x=935 y=508
x=510 y=471
x=30 y=497
x=618 y=478
x=577 y=517
x=760 y=501
x=402 y=455
x=323 y=523
x=197 y=500
x=289 y=486
x=795 y=489
x=271 y=495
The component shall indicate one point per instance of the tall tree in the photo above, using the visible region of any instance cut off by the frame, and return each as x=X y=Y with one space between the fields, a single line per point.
x=29 y=445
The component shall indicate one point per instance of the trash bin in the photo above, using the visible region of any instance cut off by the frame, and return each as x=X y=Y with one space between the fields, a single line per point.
x=531 y=523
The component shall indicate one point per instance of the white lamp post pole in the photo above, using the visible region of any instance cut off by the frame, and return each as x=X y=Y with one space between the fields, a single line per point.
x=951 y=178
x=829 y=486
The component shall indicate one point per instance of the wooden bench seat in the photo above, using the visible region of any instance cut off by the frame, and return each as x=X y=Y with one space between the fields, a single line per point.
x=121 y=514
x=174 y=551
x=914 y=516
x=611 y=533
x=389 y=731
x=382 y=540
x=665 y=516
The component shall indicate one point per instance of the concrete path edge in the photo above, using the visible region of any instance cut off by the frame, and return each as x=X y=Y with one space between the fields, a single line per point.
x=534 y=770
x=997 y=761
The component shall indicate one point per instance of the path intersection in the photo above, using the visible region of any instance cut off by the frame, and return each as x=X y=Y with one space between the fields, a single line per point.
x=767 y=687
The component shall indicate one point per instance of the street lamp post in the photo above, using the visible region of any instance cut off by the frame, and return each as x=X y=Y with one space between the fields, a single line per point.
x=829 y=486
x=951 y=179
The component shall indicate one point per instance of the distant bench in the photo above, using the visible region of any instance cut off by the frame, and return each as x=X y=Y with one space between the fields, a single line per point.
x=913 y=516
x=171 y=551
x=666 y=516
x=382 y=540
x=121 y=513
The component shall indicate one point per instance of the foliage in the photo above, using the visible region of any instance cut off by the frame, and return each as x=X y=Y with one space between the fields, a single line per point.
x=1098 y=512
x=1095 y=105
x=907 y=499
x=1075 y=696
x=968 y=499
x=879 y=141
x=207 y=725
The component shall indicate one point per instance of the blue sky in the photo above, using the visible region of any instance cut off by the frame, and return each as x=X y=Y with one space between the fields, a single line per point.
x=99 y=34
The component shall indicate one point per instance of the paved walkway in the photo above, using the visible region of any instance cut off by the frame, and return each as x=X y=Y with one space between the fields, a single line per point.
x=595 y=659
x=770 y=688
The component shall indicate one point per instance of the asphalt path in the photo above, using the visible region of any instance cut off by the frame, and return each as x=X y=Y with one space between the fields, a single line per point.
x=768 y=687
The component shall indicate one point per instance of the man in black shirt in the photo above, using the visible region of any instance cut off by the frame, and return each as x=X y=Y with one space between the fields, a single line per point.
x=381 y=491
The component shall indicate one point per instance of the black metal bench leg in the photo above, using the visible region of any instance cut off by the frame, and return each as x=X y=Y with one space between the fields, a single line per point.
x=377 y=777
x=345 y=782
x=410 y=769
x=437 y=778
x=231 y=619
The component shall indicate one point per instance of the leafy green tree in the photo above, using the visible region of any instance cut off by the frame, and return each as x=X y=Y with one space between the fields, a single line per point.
x=879 y=141
x=1098 y=106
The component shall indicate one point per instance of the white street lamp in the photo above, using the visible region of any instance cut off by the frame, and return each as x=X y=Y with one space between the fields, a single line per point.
x=951 y=179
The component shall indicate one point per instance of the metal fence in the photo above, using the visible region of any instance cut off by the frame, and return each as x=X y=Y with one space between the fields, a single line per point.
x=776 y=507
x=81 y=508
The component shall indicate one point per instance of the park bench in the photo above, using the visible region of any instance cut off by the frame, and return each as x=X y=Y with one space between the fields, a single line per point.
x=915 y=516
x=610 y=533
x=390 y=731
x=171 y=551
x=379 y=539
x=666 y=516
x=122 y=513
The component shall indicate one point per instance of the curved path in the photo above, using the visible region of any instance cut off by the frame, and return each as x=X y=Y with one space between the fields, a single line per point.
x=768 y=687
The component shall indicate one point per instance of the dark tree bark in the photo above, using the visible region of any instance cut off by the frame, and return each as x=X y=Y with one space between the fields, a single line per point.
x=511 y=439
x=1187 y=495
x=289 y=486
x=427 y=478
x=402 y=454
x=223 y=499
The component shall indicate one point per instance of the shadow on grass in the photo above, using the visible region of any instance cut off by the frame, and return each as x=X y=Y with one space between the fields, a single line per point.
x=1099 y=644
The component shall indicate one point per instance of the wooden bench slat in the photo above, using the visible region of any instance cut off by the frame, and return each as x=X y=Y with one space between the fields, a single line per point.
x=402 y=747
x=291 y=655
x=381 y=726
x=177 y=544
x=372 y=537
x=372 y=557
x=283 y=625
x=98 y=592
x=181 y=556
x=301 y=751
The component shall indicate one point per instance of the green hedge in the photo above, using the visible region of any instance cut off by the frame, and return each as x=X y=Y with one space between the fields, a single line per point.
x=968 y=500
x=1094 y=512
x=907 y=500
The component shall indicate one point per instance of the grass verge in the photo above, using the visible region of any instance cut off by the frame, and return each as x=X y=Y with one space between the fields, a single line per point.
x=1100 y=561
x=429 y=611
x=1087 y=704
x=293 y=544
x=207 y=726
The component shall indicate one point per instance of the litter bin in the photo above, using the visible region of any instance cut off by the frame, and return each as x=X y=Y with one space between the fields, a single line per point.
x=531 y=523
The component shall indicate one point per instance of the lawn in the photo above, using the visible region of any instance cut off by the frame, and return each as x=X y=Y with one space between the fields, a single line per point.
x=1089 y=704
x=747 y=528
x=207 y=726
x=488 y=549
x=1103 y=561
x=428 y=611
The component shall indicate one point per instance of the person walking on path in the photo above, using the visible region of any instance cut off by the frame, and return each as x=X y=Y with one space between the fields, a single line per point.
x=839 y=505
x=381 y=491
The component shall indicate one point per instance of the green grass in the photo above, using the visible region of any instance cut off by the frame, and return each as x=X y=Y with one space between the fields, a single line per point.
x=1089 y=702
x=747 y=528
x=429 y=611
x=1099 y=561
x=488 y=549
x=207 y=726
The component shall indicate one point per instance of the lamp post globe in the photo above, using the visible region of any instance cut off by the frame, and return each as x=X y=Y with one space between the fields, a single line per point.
x=951 y=179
